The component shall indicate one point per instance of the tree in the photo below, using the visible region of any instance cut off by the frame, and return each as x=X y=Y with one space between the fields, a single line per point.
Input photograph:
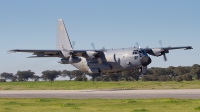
x=164 y=78
x=7 y=76
x=94 y=76
x=159 y=71
x=35 y=78
x=79 y=75
x=180 y=70
x=104 y=77
x=50 y=75
x=14 y=78
x=67 y=73
x=187 y=77
x=150 y=78
x=113 y=76
x=82 y=78
x=195 y=70
x=126 y=75
x=179 y=78
x=2 y=80
x=24 y=75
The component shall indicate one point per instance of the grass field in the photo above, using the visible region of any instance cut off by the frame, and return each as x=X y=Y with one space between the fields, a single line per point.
x=75 y=85
x=99 y=105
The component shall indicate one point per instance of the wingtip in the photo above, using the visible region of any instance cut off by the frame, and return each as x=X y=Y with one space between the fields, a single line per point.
x=10 y=51
x=189 y=47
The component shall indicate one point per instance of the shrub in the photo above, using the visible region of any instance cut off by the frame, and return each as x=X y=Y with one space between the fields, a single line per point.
x=2 y=80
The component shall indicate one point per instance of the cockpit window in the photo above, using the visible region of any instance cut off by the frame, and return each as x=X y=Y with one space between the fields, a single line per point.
x=135 y=52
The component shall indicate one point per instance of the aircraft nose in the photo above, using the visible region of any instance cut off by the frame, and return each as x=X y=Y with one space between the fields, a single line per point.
x=146 y=60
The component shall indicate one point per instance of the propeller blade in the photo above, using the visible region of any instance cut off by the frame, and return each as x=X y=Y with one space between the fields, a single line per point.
x=99 y=60
x=160 y=41
x=103 y=49
x=137 y=44
x=93 y=46
x=165 y=57
x=71 y=59
x=73 y=44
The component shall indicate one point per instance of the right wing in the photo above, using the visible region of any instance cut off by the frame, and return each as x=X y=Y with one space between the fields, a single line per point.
x=163 y=50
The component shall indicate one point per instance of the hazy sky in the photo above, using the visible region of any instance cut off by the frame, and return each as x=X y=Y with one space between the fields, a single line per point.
x=31 y=24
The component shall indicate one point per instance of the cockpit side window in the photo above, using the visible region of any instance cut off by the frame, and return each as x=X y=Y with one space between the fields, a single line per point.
x=136 y=57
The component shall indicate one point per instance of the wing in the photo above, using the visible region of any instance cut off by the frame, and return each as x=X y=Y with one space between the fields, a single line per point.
x=58 y=53
x=39 y=53
x=163 y=50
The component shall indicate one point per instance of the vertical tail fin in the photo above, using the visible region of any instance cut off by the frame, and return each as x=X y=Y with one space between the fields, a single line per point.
x=63 y=41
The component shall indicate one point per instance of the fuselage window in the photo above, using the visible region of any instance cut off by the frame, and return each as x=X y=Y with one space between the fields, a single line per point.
x=136 y=57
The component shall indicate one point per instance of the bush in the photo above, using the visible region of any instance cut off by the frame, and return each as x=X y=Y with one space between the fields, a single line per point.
x=187 y=77
x=179 y=78
x=83 y=78
x=150 y=78
x=164 y=78
x=2 y=80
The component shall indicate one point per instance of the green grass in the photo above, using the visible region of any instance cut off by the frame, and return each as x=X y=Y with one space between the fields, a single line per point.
x=99 y=105
x=78 y=85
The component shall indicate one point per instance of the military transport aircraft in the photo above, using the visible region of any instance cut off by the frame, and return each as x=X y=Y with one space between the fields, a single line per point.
x=103 y=60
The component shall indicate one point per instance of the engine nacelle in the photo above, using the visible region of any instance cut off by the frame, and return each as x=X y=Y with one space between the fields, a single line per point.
x=91 y=54
x=158 y=52
x=66 y=61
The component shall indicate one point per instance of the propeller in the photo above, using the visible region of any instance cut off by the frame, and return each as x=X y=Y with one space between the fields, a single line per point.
x=165 y=58
x=98 y=55
x=70 y=59
x=163 y=52
x=103 y=49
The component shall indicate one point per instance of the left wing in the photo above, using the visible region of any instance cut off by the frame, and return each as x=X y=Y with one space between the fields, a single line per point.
x=39 y=53
x=58 y=53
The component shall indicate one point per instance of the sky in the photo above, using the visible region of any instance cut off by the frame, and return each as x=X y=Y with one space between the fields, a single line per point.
x=31 y=24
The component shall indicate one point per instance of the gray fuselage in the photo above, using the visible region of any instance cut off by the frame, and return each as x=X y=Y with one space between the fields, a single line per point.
x=114 y=60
